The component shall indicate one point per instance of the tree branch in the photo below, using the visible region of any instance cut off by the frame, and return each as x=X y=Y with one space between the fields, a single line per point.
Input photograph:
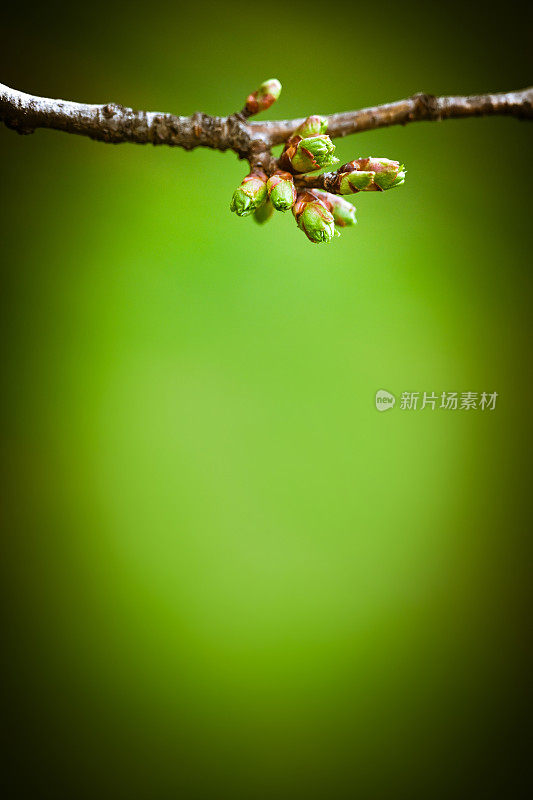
x=315 y=214
x=252 y=140
x=115 y=123
x=327 y=181
x=419 y=107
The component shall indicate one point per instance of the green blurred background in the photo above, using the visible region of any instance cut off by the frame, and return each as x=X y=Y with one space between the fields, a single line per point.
x=226 y=573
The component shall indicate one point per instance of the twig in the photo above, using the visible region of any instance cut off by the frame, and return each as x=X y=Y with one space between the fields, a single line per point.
x=417 y=108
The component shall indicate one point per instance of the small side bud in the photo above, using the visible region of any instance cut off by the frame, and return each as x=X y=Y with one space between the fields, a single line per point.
x=250 y=194
x=260 y=100
x=313 y=218
x=281 y=190
x=308 y=154
x=313 y=126
x=264 y=212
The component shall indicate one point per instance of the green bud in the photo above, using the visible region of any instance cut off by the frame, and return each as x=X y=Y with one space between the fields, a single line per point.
x=386 y=170
x=317 y=223
x=312 y=126
x=264 y=212
x=399 y=179
x=351 y=182
x=343 y=213
x=269 y=88
x=260 y=100
x=281 y=190
x=241 y=203
x=314 y=218
x=313 y=152
x=283 y=196
x=250 y=194
x=370 y=175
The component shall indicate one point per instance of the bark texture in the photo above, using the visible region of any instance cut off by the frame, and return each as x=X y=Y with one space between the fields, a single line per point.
x=417 y=108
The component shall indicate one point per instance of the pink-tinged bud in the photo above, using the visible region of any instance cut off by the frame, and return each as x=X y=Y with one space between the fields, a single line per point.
x=386 y=171
x=313 y=126
x=369 y=175
x=376 y=164
x=281 y=190
x=343 y=211
x=260 y=100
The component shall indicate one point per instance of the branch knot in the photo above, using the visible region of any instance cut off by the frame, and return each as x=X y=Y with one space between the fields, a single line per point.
x=426 y=106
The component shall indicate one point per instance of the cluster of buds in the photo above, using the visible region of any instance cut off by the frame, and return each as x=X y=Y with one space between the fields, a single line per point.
x=318 y=213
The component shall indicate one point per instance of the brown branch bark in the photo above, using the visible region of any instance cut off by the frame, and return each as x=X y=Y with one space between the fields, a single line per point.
x=325 y=181
x=252 y=140
x=417 y=108
x=115 y=123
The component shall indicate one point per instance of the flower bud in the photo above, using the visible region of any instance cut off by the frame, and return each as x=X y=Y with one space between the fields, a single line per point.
x=313 y=218
x=250 y=194
x=260 y=100
x=264 y=212
x=281 y=190
x=386 y=171
x=343 y=211
x=351 y=182
x=399 y=179
x=369 y=175
x=309 y=154
x=313 y=126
